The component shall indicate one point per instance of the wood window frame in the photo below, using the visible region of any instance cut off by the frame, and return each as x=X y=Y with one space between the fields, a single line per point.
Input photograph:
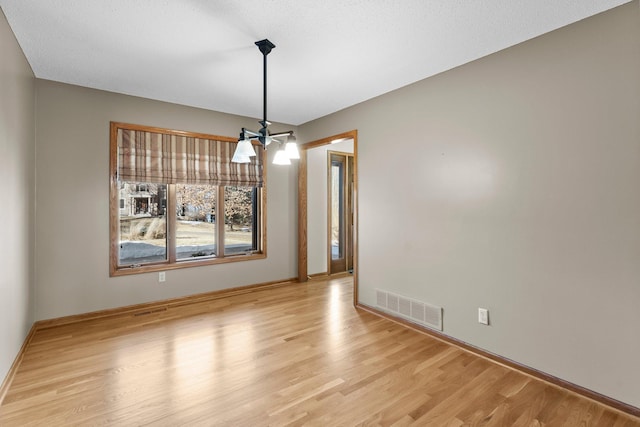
x=172 y=263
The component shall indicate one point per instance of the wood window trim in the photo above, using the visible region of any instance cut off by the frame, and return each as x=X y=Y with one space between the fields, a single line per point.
x=114 y=223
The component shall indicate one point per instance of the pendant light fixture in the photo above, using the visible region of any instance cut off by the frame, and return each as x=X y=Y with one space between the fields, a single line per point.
x=287 y=147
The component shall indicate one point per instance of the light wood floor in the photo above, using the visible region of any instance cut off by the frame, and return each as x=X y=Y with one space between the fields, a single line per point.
x=294 y=355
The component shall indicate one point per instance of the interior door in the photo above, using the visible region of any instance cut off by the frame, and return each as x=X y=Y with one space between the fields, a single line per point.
x=340 y=212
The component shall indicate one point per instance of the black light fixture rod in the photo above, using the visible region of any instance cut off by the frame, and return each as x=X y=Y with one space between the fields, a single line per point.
x=279 y=134
x=264 y=87
x=251 y=133
x=265 y=47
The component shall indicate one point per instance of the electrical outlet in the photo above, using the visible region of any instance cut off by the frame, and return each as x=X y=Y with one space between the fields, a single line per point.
x=162 y=276
x=483 y=316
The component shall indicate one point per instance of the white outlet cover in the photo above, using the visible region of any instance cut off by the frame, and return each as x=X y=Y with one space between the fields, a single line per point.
x=483 y=316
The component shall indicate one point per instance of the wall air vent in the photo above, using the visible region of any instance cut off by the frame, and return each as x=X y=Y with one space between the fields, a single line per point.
x=410 y=309
x=393 y=302
x=381 y=299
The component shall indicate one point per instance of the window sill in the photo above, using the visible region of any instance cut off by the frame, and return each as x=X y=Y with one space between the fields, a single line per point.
x=164 y=266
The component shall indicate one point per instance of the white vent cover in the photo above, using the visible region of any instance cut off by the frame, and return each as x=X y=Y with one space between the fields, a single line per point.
x=410 y=309
x=393 y=302
x=381 y=299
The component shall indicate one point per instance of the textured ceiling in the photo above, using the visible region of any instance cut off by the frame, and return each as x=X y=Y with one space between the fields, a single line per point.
x=329 y=54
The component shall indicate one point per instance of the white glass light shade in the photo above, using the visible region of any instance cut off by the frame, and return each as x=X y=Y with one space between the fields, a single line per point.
x=291 y=149
x=238 y=158
x=281 y=158
x=245 y=148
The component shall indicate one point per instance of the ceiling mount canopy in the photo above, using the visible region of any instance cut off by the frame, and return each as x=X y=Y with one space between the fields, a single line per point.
x=287 y=147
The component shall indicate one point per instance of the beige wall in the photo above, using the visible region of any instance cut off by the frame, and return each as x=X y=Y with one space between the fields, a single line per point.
x=520 y=194
x=72 y=220
x=17 y=170
x=317 y=204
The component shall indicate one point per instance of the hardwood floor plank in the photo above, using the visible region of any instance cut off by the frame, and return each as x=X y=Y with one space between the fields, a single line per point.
x=291 y=355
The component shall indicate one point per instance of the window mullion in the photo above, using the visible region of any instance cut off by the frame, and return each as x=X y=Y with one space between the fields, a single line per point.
x=171 y=222
x=220 y=220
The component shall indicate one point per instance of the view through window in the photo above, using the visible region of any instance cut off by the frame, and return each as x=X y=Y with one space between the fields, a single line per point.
x=180 y=223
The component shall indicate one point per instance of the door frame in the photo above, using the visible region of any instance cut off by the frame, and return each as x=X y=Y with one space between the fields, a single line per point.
x=302 y=206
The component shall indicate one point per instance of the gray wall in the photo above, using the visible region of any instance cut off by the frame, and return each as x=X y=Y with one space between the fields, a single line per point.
x=520 y=194
x=17 y=171
x=72 y=220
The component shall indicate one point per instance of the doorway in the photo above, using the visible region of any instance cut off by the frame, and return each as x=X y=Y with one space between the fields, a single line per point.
x=306 y=227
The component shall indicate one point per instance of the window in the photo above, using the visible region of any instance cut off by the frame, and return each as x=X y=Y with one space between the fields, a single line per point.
x=177 y=201
x=240 y=218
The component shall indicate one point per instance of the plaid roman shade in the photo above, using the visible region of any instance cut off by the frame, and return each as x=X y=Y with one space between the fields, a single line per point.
x=172 y=158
